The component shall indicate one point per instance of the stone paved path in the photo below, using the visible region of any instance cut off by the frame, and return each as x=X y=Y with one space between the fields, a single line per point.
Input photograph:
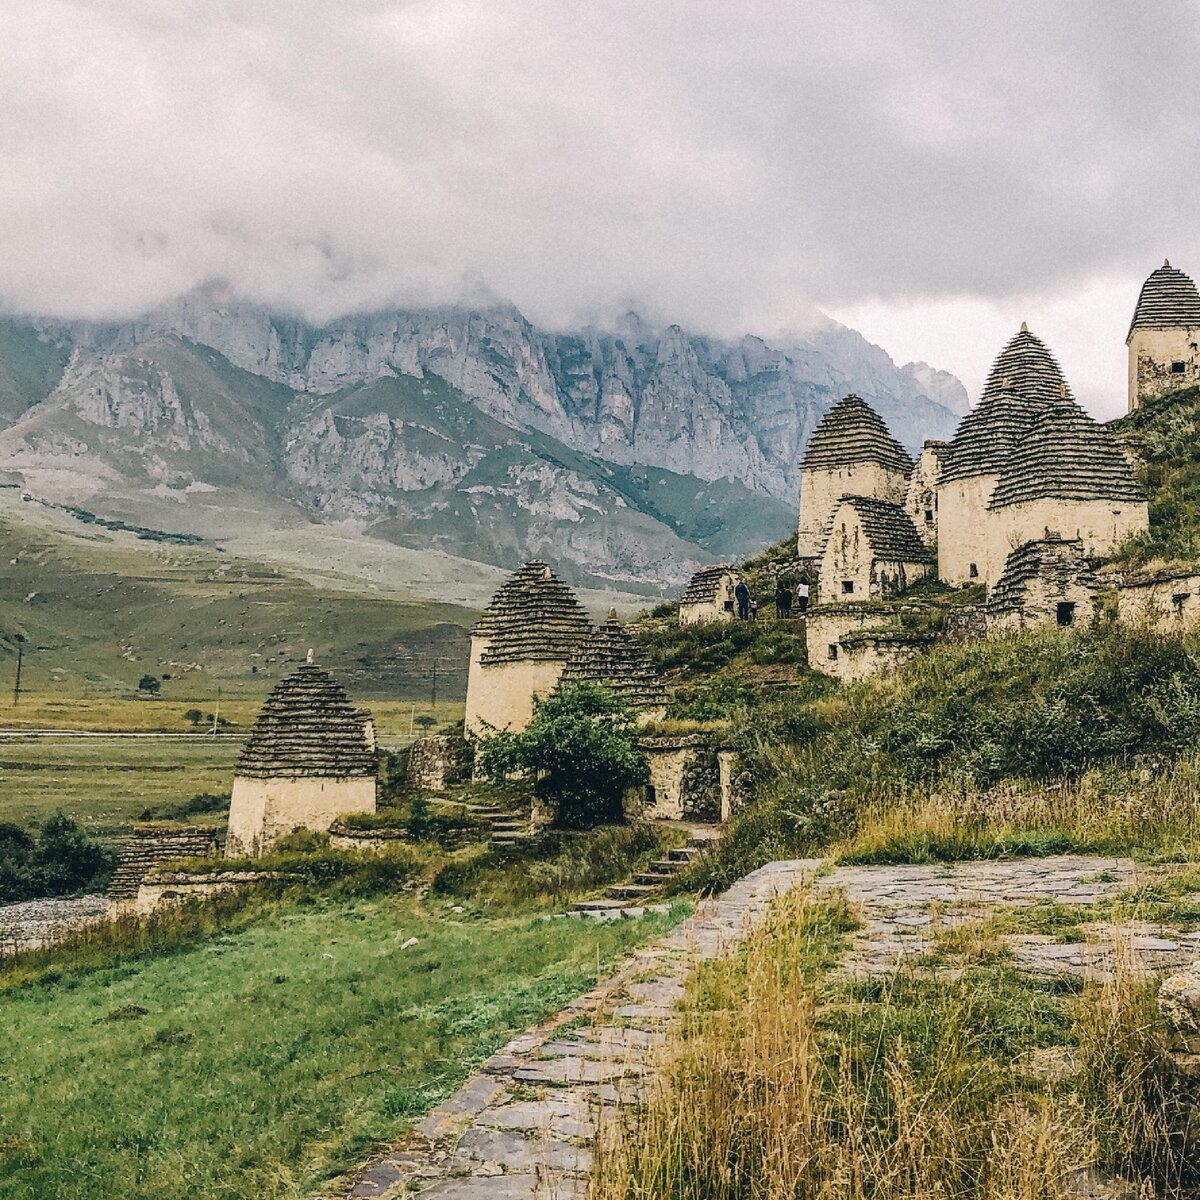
x=905 y=907
x=490 y=1141
x=520 y=1128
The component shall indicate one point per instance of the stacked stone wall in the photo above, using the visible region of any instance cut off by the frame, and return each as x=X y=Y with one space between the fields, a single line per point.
x=1152 y=352
x=822 y=487
x=433 y=762
x=1165 y=603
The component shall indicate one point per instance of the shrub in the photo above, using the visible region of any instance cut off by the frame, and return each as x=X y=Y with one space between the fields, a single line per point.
x=581 y=750
x=149 y=684
x=60 y=861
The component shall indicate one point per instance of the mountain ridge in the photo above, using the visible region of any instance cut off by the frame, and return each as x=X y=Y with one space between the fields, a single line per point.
x=630 y=457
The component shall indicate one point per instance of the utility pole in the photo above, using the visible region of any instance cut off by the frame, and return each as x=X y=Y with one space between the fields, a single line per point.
x=217 y=713
x=433 y=688
x=20 y=659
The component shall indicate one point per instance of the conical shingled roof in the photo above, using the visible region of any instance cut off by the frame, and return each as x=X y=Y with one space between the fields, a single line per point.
x=1066 y=455
x=151 y=846
x=1059 y=562
x=534 y=617
x=1168 y=299
x=612 y=657
x=702 y=587
x=1024 y=380
x=308 y=728
x=853 y=432
x=888 y=528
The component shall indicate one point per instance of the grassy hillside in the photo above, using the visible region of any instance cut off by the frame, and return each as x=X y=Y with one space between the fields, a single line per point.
x=30 y=366
x=275 y=1055
x=1165 y=434
x=100 y=610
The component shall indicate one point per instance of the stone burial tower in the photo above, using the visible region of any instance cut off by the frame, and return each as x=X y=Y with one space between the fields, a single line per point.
x=1164 y=336
x=519 y=648
x=309 y=759
x=851 y=453
x=612 y=658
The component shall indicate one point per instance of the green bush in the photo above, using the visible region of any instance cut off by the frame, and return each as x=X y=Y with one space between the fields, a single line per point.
x=581 y=750
x=61 y=860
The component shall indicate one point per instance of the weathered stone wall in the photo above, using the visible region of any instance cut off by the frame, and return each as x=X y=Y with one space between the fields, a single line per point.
x=1100 y=524
x=828 y=626
x=849 y=559
x=433 y=762
x=691 y=779
x=262 y=811
x=965 y=621
x=1161 y=602
x=822 y=487
x=722 y=607
x=972 y=547
x=1152 y=352
x=1040 y=606
x=867 y=654
x=165 y=888
x=500 y=695
x=921 y=499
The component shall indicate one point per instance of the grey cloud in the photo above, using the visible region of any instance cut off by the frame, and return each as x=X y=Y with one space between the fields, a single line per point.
x=725 y=165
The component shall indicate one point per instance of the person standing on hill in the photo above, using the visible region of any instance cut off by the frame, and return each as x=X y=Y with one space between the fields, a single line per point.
x=783 y=599
x=742 y=595
x=802 y=596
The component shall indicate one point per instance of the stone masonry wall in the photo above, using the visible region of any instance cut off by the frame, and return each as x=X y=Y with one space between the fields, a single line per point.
x=1100 y=524
x=1163 y=603
x=969 y=535
x=1151 y=355
x=262 y=811
x=821 y=488
x=501 y=695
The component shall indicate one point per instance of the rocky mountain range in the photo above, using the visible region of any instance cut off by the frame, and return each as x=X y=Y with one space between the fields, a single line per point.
x=629 y=455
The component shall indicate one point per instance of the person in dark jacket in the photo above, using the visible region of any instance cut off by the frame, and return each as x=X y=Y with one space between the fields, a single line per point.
x=783 y=599
x=742 y=595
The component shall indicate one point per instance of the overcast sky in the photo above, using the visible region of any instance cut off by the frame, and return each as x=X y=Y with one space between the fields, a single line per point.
x=932 y=173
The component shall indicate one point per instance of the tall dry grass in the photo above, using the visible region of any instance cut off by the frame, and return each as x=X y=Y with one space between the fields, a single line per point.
x=1113 y=811
x=757 y=1097
x=1141 y=1111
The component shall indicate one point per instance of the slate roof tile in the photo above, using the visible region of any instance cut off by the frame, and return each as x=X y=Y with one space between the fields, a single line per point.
x=853 y=432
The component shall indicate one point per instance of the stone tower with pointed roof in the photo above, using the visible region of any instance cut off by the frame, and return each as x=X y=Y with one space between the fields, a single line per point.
x=519 y=647
x=613 y=658
x=1164 y=336
x=851 y=453
x=872 y=551
x=1024 y=381
x=309 y=759
x=1068 y=476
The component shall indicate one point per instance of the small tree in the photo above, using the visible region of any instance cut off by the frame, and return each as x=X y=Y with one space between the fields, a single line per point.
x=581 y=749
x=194 y=715
x=425 y=721
x=149 y=684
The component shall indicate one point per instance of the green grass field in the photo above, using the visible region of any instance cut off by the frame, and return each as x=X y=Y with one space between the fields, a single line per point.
x=105 y=783
x=271 y=1057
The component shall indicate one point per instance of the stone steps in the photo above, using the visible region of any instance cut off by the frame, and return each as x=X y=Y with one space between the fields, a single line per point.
x=648 y=883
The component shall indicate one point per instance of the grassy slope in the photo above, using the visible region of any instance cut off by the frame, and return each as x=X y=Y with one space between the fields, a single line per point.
x=105 y=784
x=271 y=1057
x=100 y=610
x=1166 y=435
x=30 y=366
